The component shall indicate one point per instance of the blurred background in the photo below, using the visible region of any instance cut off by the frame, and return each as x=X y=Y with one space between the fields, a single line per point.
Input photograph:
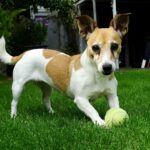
x=50 y=24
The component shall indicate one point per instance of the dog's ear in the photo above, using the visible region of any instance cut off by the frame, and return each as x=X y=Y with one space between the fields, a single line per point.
x=86 y=25
x=120 y=23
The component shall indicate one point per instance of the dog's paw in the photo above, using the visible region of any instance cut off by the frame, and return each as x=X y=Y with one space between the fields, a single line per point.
x=104 y=125
x=13 y=115
x=51 y=111
x=101 y=123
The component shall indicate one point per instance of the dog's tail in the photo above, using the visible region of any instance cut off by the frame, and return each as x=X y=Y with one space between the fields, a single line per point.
x=6 y=57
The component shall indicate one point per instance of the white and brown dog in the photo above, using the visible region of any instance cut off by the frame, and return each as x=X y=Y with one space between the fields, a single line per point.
x=83 y=77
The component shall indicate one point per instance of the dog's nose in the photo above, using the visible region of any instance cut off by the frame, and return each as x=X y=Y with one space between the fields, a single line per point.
x=107 y=69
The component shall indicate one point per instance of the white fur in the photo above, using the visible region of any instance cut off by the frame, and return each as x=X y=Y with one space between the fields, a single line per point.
x=4 y=56
x=30 y=67
x=88 y=83
x=106 y=60
x=85 y=83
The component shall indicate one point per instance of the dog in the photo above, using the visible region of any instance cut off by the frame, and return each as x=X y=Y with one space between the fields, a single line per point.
x=83 y=77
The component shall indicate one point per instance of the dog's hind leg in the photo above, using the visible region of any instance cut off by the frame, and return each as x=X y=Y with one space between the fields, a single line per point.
x=46 y=93
x=17 y=88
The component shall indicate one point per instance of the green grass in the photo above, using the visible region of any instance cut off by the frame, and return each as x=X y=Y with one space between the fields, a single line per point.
x=68 y=128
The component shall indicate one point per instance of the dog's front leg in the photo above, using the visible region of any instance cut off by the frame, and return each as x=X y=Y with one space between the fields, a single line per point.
x=113 y=101
x=85 y=106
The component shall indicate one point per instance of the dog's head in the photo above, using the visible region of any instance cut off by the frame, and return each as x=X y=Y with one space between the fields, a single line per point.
x=104 y=44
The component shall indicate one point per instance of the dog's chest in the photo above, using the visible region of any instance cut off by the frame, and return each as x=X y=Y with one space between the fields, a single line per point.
x=90 y=85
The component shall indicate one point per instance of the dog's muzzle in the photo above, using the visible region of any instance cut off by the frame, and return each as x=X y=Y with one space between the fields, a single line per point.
x=107 y=69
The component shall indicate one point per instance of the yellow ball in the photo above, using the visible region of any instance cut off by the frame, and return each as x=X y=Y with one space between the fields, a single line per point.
x=116 y=117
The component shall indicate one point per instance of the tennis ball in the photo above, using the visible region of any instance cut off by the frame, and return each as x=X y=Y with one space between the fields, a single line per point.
x=116 y=117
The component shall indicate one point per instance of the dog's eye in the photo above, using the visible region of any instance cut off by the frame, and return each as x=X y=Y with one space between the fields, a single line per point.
x=96 y=49
x=114 y=46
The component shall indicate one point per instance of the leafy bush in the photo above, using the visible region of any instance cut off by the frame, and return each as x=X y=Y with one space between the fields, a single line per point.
x=7 y=18
x=65 y=9
x=27 y=34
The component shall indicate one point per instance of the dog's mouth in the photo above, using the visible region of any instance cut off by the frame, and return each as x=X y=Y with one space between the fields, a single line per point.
x=106 y=73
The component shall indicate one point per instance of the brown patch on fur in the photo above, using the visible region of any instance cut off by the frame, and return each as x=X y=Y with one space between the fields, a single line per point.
x=90 y=53
x=76 y=62
x=59 y=71
x=47 y=53
x=15 y=59
x=60 y=66
x=103 y=37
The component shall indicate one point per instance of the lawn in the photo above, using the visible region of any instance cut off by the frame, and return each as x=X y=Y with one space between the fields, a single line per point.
x=68 y=128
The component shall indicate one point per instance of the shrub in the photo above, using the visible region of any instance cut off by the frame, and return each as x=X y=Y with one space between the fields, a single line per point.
x=7 y=18
x=27 y=33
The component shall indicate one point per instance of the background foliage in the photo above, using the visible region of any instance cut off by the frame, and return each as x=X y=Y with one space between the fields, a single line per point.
x=64 y=8
x=27 y=32
x=7 y=20
x=33 y=33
